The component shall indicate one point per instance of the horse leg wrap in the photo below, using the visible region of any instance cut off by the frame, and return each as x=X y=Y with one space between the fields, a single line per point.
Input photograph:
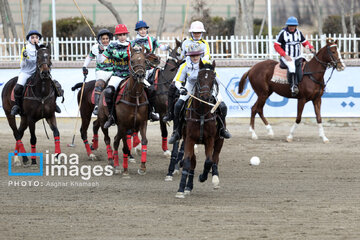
x=143 y=153
x=16 y=150
x=95 y=142
x=190 y=182
x=57 y=144
x=164 y=144
x=21 y=146
x=128 y=141
x=125 y=161
x=215 y=169
x=183 y=181
x=116 y=159
x=109 y=152
x=33 y=150
x=87 y=146
x=136 y=140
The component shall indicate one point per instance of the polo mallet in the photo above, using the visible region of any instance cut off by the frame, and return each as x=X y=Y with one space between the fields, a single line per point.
x=77 y=116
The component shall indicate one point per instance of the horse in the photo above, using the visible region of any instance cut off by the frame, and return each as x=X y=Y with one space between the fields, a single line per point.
x=311 y=88
x=39 y=102
x=201 y=128
x=87 y=107
x=131 y=113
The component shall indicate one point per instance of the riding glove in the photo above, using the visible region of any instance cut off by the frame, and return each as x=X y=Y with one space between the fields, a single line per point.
x=85 y=71
x=183 y=91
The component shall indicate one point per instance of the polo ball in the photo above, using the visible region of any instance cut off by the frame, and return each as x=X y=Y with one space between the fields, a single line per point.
x=255 y=161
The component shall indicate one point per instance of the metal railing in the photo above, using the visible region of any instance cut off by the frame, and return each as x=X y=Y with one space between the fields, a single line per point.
x=221 y=47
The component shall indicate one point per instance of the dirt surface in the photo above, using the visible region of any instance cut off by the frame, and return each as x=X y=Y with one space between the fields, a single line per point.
x=301 y=190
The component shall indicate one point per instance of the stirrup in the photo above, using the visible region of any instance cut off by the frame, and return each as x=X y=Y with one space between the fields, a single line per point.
x=110 y=122
x=294 y=90
x=154 y=117
x=175 y=136
x=57 y=109
x=225 y=133
x=15 y=110
x=168 y=117
x=96 y=110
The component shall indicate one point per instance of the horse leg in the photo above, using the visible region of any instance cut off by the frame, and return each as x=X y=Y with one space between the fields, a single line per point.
x=108 y=146
x=300 y=108
x=19 y=145
x=144 y=141
x=52 y=123
x=190 y=182
x=85 y=121
x=260 y=108
x=32 y=142
x=116 y=155
x=128 y=142
x=95 y=140
x=317 y=107
x=126 y=154
x=215 y=173
x=173 y=161
x=189 y=152
x=252 y=121
x=136 y=145
x=209 y=148
x=164 y=134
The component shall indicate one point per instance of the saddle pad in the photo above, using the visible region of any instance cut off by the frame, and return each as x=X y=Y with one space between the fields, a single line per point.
x=120 y=93
x=12 y=96
x=156 y=80
x=279 y=75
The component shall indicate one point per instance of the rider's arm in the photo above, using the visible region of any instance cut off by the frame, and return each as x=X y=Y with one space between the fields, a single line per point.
x=277 y=45
x=207 y=56
x=305 y=42
x=90 y=57
x=180 y=76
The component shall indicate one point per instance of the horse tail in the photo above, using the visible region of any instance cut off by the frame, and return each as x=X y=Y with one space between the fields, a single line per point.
x=242 y=82
x=76 y=86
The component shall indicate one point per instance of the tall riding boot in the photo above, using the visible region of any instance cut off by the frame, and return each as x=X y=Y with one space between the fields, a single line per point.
x=176 y=135
x=109 y=99
x=151 y=94
x=18 y=94
x=59 y=93
x=223 y=132
x=98 y=90
x=294 y=87
x=171 y=97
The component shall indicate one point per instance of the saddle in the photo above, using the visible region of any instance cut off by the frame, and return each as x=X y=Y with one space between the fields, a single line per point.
x=26 y=87
x=280 y=71
x=153 y=78
x=119 y=92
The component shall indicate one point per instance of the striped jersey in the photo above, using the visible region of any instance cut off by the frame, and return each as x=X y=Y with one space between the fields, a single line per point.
x=118 y=53
x=290 y=42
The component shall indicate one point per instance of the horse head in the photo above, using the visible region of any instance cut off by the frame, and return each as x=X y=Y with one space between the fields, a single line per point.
x=205 y=81
x=152 y=60
x=137 y=63
x=331 y=56
x=43 y=60
x=175 y=52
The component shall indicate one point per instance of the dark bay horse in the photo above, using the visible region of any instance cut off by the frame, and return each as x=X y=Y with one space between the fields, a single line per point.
x=39 y=102
x=131 y=113
x=311 y=87
x=87 y=108
x=201 y=128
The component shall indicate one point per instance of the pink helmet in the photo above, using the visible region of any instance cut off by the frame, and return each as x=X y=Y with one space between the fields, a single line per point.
x=120 y=29
x=197 y=26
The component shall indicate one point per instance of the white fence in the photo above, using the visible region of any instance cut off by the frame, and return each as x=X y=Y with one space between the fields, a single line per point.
x=233 y=47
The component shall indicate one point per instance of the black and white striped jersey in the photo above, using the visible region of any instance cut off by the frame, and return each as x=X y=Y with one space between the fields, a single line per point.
x=290 y=42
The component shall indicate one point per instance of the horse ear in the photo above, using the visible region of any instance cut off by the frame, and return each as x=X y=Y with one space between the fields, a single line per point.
x=144 y=50
x=178 y=43
x=336 y=41
x=214 y=64
x=201 y=64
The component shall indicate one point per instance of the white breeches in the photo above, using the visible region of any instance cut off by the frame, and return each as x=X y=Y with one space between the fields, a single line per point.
x=115 y=81
x=103 y=75
x=23 y=77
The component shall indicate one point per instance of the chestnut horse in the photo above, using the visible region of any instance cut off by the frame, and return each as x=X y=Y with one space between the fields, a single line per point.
x=131 y=113
x=311 y=87
x=201 y=128
x=39 y=102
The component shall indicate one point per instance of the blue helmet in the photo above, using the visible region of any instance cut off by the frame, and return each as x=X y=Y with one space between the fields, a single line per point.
x=140 y=24
x=32 y=32
x=292 y=21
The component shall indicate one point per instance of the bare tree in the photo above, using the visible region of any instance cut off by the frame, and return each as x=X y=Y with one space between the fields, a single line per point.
x=111 y=8
x=4 y=20
x=319 y=17
x=352 y=26
x=244 y=18
x=32 y=14
x=343 y=24
x=161 y=19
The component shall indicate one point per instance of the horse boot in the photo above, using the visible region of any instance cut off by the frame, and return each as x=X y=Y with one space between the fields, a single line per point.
x=223 y=132
x=109 y=99
x=98 y=89
x=171 y=97
x=59 y=93
x=18 y=94
x=294 y=88
x=176 y=135
x=150 y=93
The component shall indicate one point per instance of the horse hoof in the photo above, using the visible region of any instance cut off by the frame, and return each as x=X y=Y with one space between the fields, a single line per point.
x=168 y=178
x=289 y=139
x=176 y=172
x=142 y=171
x=117 y=170
x=180 y=195
x=138 y=150
x=167 y=153
x=34 y=166
x=216 y=182
x=326 y=140
x=17 y=162
x=126 y=174
x=201 y=178
x=132 y=160
x=187 y=192
x=92 y=157
x=254 y=137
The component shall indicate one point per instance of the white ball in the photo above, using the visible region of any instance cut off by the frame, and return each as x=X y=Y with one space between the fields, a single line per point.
x=255 y=161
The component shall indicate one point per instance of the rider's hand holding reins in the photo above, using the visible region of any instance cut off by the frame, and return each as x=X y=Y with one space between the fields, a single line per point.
x=183 y=91
x=25 y=54
x=85 y=71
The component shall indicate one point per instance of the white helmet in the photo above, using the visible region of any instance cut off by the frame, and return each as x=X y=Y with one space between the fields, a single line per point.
x=197 y=26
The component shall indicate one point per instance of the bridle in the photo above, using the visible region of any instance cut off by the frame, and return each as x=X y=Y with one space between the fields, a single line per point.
x=333 y=62
x=138 y=74
x=44 y=60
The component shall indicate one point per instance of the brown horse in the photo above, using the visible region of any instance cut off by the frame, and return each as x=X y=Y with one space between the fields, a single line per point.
x=131 y=113
x=39 y=102
x=201 y=128
x=311 y=87
x=87 y=108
